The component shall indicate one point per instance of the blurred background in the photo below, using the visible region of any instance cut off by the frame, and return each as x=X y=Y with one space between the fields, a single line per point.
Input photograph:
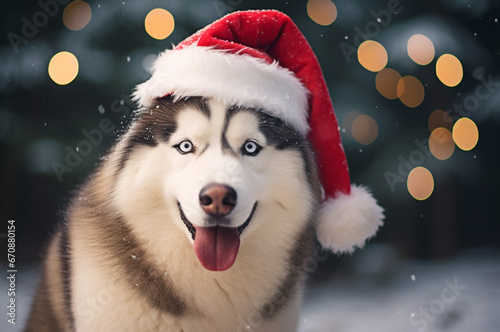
x=416 y=89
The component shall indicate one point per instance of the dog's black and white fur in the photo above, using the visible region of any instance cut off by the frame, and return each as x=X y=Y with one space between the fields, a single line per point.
x=123 y=259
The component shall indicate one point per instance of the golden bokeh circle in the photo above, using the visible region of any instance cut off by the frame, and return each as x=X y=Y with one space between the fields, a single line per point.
x=322 y=12
x=159 y=23
x=420 y=183
x=410 y=91
x=386 y=83
x=449 y=70
x=465 y=134
x=420 y=49
x=441 y=143
x=76 y=15
x=372 y=55
x=63 y=68
x=364 y=129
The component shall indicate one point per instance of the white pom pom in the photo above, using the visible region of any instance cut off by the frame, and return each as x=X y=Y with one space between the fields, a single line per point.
x=347 y=221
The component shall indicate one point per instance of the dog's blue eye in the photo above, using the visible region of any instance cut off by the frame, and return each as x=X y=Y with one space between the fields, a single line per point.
x=250 y=148
x=185 y=147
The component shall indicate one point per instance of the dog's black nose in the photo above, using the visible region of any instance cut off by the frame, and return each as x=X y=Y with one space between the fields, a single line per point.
x=217 y=199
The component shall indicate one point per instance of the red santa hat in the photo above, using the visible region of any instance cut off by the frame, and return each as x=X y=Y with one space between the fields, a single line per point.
x=261 y=59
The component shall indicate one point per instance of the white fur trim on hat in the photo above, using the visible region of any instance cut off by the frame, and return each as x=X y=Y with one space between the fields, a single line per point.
x=347 y=221
x=237 y=79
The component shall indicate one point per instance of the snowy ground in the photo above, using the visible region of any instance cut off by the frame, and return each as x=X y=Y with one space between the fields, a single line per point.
x=380 y=294
x=462 y=295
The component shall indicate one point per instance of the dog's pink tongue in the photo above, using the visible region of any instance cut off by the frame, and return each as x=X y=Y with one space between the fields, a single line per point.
x=216 y=247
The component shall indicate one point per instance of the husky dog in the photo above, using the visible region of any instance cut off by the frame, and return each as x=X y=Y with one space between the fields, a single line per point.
x=202 y=216
x=199 y=219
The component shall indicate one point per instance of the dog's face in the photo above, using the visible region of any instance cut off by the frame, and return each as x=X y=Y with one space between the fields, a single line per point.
x=224 y=171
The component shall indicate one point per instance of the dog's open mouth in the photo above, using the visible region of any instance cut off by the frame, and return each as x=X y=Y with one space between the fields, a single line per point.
x=216 y=246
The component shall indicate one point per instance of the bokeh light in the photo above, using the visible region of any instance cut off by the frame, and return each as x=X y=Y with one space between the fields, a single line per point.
x=410 y=91
x=159 y=23
x=322 y=12
x=364 y=129
x=440 y=118
x=386 y=82
x=441 y=143
x=465 y=134
x=449 y=70
x=77 y=15
x=420 y=49
x=63 y=68
x=348 y=120
x=372 y=55
x=420 y=183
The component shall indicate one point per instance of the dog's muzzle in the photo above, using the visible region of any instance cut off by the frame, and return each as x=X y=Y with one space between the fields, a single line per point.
x=216 y=246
